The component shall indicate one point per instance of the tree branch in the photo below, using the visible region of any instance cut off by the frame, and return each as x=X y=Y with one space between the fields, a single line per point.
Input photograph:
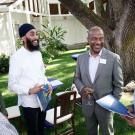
x=99 y=8
x=118 y=8
x=88 y=18
x=84 y=15
x=103 y=12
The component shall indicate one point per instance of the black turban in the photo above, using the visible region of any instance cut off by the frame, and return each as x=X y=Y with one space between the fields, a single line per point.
x=24 y=28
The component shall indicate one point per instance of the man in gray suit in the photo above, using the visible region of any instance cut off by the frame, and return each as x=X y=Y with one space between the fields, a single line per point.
x=98 y=73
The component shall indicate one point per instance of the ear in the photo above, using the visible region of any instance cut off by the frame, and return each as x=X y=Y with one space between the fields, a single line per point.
x=23 y=38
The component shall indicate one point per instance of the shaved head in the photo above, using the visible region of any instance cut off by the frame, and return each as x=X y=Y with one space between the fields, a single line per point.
x=95 y=29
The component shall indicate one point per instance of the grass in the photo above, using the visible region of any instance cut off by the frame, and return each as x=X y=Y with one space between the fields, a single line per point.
x=63 y=69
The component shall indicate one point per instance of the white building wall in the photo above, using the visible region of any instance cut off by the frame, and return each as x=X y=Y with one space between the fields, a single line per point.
x=18 y=19
x=4 y=36
x=6 y=46
x=76 y=32
x=36 y=21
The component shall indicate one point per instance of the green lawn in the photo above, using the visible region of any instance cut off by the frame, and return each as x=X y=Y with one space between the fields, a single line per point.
x=63 y=68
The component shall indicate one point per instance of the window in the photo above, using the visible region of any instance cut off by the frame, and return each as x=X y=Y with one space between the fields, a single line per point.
x=53 y=9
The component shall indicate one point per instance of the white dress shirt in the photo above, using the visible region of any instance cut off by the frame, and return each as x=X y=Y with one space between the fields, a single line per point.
x=93 y=65
x=26 y=70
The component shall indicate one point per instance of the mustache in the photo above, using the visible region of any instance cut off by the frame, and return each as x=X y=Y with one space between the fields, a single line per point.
x=31 y=46
x=35 y=40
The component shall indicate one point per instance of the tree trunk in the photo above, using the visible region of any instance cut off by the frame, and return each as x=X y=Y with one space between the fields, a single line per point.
x=125 y=40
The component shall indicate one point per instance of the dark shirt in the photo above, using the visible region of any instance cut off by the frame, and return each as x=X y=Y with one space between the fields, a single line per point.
x=2 y=106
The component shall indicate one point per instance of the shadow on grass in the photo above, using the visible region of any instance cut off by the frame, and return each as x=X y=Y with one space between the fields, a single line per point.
x=3 y=82
x=3 y=85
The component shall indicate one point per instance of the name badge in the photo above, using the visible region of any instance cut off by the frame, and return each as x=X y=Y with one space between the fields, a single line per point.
x=102 y=61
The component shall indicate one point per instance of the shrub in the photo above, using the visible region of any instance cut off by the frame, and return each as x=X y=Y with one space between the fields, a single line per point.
x=52 y=41
x=19 y=43
x=4 y=64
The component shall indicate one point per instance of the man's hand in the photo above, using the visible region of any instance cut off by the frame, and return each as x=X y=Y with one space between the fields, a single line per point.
x=35 y=89
x=87 y=91
x=130 y=121
x=49 y=89
x=130 y=109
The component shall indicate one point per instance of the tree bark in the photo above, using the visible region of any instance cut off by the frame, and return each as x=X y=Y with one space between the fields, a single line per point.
x=99 y=8
x=117 y=7
x=125 y=40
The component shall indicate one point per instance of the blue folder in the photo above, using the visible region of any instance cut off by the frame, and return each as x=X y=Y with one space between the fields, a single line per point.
x=110 y=103
x=75 y=56
x=43 y=98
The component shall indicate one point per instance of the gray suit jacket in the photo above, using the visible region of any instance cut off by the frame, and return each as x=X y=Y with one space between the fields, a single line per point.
x=108 y=79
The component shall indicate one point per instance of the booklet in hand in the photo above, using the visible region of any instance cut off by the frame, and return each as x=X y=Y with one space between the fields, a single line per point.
x=43 y=97
x=110 y=103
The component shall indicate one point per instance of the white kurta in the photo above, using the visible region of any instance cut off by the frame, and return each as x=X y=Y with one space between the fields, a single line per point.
x=26 y=70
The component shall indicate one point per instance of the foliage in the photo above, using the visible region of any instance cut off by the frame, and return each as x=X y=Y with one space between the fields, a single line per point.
x=4 y=63
x=52 y=41
x=19 y=43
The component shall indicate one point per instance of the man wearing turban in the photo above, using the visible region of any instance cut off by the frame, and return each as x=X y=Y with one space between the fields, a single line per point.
x=26 y=78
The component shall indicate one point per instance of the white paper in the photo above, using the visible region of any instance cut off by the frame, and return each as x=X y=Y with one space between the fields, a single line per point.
x=55 y=83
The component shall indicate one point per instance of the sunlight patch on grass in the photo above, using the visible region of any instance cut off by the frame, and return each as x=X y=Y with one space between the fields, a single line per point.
x=75 y=51
x=8 y=93
x=52 y=66
x=56 y=66
x=66 y=77
x=3 y=77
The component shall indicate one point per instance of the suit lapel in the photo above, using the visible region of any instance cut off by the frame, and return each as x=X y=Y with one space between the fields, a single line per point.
x=100 y=66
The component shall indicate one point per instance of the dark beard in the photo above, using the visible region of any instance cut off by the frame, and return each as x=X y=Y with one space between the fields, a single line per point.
x=32 y=47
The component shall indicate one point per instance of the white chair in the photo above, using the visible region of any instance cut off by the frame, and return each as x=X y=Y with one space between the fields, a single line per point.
x=13 y=112
x=73 y=88
x=78 y=96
